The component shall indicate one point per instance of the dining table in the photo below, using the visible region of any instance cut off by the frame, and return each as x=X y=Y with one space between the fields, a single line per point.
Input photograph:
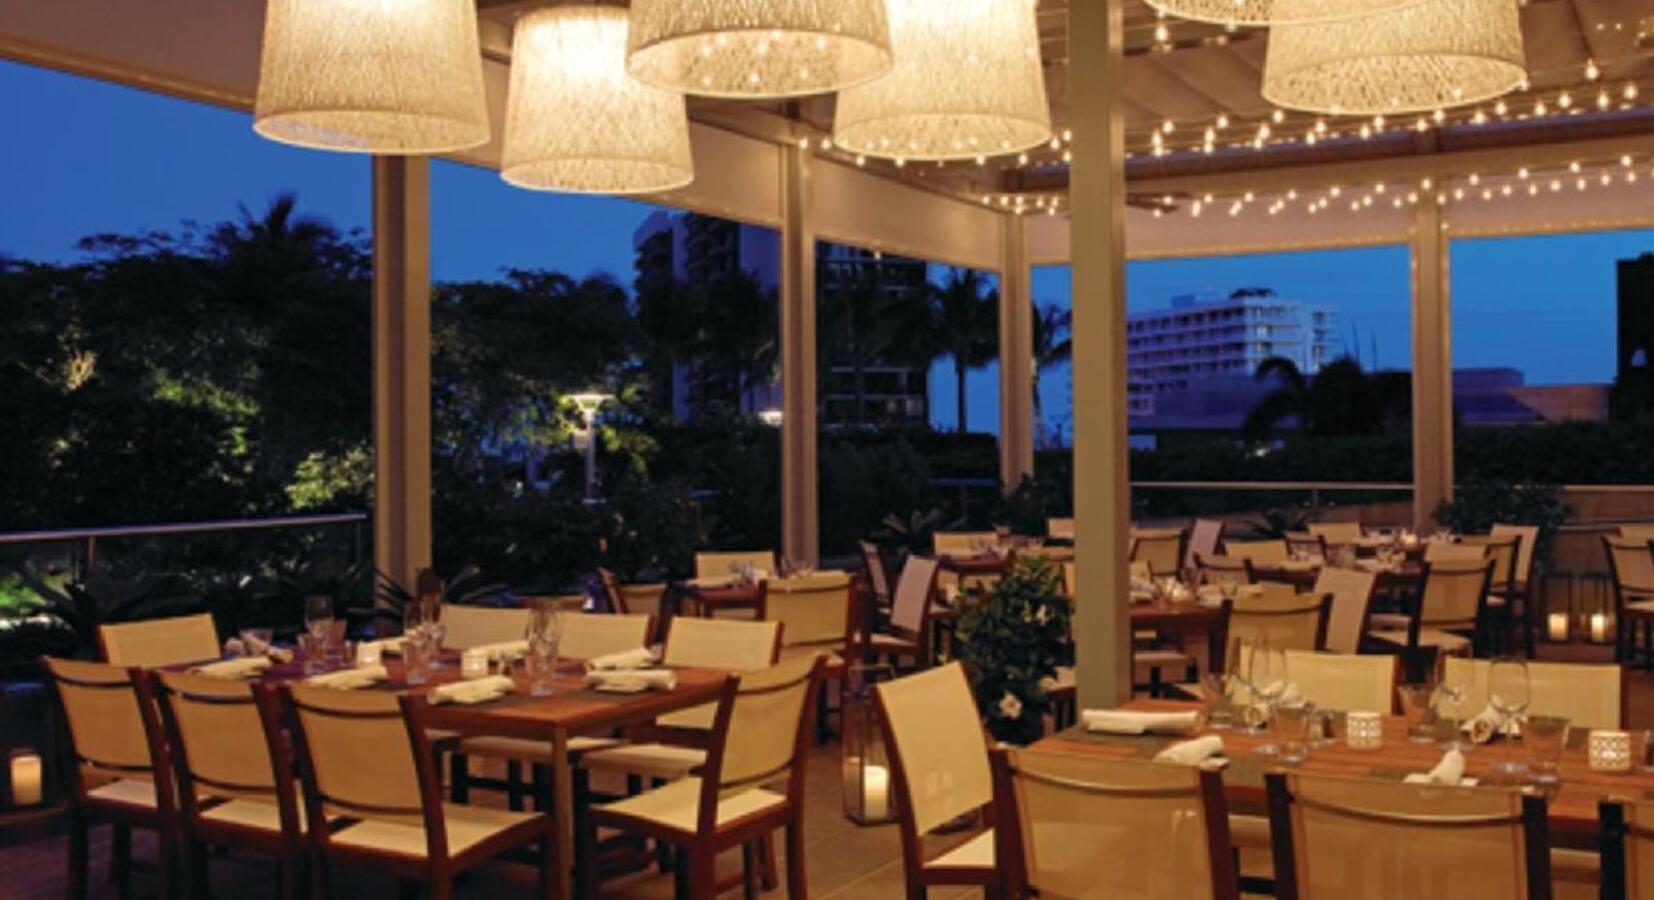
x=1571 y=801
x=706 y=597
x=1302 y=574
x=1184 y=623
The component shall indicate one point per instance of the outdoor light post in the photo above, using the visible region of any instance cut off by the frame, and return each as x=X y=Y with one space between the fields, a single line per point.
x=589 y=404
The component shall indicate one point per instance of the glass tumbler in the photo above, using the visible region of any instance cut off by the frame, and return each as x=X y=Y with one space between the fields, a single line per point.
x=1415 y=708
x=1544 y=737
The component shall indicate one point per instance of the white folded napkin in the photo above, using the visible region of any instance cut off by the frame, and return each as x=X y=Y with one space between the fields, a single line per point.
x=1450 y=772
x=633 y=681
x=503 y=650
x=1120 y=721
x=387 y=646
x=245 y=667
x=641 y=658
x=349 y=679
x=1192 y=752
x=479 y=690
x=1484 y=725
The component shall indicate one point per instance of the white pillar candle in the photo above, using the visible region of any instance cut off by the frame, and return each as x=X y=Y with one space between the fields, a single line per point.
x=25 y=780
x=875 y=797
x=473 y=664
x=369 y=653
x=1364 y=730
x=1557 y=626
x=1610 y=751
x=1599 y=627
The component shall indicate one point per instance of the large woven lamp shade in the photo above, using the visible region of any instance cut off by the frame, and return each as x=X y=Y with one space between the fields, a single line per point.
x=576 y=121
x=758 y=48
x=968 y=82
x=1436 y=54
x=372 y=76
x=1272 y=12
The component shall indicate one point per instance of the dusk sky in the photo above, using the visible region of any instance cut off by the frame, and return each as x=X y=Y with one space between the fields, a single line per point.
x=81 y=157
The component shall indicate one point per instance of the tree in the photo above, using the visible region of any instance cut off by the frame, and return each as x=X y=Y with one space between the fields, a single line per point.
x=966 y=324
x=1053 y=345
x=864 y=322
x=1340 y=400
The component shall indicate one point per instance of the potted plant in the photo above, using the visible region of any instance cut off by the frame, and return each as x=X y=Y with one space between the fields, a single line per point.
x=1011 y=639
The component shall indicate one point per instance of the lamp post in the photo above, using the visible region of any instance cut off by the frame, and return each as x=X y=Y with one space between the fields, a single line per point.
x=589 y=404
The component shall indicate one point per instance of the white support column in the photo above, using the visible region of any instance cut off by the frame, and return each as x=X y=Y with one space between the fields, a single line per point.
x=800 y=502
x=401 y=366
x=1016 y=356
x=1432 y=363
x=1102 y=487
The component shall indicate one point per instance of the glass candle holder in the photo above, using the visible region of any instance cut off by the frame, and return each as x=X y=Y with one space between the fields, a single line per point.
x=473 y=664
x=1364 y=730
x=1610 y=751
x=869 y=796
x=369 y=653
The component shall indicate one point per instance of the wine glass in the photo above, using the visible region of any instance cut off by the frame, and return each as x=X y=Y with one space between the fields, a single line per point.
x=318 y=616
x=433 y=626
x=1268 y=672
x=1507 y=693
x=1452 y=688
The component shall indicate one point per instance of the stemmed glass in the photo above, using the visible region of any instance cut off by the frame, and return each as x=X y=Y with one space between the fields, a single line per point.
x=1267 y=670
x=318 y=616
x=1452 y=687
x=1507 y=692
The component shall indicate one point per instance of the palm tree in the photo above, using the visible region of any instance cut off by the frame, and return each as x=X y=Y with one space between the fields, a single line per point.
x=1292 y=398
x=1053 y=345
x=965 y=322
x=1342 y=399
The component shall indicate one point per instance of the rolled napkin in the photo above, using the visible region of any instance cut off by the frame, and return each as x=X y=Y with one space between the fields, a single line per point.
x=641 y=658
x=1487 y=723
x=349 y=679
x=1192 y=752
x=1450 y=771
x=1120 y=721
x=465 y=693
x=633 y=681
x=245 y=667
x=501 y=650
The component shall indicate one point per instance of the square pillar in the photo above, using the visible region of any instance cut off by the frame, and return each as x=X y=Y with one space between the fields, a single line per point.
x=1102 y=486
x=1432 y=363
x=1016 y=355
x=800 y=502
x=401 y=366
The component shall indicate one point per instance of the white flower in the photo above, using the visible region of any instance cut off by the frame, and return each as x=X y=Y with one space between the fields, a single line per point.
x=1010 y=707
x=1044 y=615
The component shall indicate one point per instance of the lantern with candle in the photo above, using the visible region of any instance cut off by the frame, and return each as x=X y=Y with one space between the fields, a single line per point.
x=869 y=798
x=25 y=779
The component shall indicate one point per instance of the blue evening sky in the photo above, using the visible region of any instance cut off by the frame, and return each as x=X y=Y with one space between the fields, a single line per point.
x=84 y=157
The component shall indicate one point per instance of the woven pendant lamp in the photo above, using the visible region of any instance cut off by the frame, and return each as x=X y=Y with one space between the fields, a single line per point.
x=755 y=49
x=968 y=82
x=1263 y=13
x=576 y=121
x=1434 y=55
x=387 y=76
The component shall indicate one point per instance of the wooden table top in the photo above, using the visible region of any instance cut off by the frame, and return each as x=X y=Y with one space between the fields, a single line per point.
x=721 y=596
x=1572 y=801
x=1165 y=615
x=1388 y=579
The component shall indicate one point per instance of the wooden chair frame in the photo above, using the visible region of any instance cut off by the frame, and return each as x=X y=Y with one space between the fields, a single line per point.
x=916 y=642
x=1625 y=636
x=1203 y=563
x=1182 y=550
x=1321 y=618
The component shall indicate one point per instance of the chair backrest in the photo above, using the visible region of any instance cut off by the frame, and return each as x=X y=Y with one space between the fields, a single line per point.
x=878 y=577
x=1369 y=838
x=936 y=745
x=1139 y=570
x=1216 y=569
x=718 y=564
x=1503 y=550
x=1265 y=551
x=813 y=610
x=590 y=635
x=761 y=734
x=1443 y=551
x=1626 y=843
x=910 y=610
x=160 y=642
x=611 y=590
x=1453 y=592
x=1070 y=578
x=1352 y=597
x=465 y=627
x=963 y=543
x=1590 y=695
x=1294 y=621
x=1344 y=681
x=1529 y=543
x=1630 y=564
x=107 y=733
x=1060 y=528
x=643 y=599
x=357 y=755
x=1638 y=531
x=732 y=644
x=1306 y=542
x=1161 y=548
x=1336 y=532
x=1204 y=537
x=1073 y=825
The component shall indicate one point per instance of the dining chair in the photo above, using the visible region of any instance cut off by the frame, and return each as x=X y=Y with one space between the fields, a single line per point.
x=1060 y=528
x=1590 y=695
x=1293 y=621
x=1521 y=594
x=750 y=786
x=1266 y=552
x=1443 y=551
x=1336 y=532
x=878 y=575
x=1625 y=846
x=1449 y=614
x=1377 y=839
x=1070 y=579
x=1307 y=543
x=1637 y=531
x=160 y=642
x=1161 y=548
x=117 y=775
x=816 y=614
x=1079 y=826
x=234 y=771
x=722 y=563
x=940 y=771
x=1216 y=569
x=962 y=543
x=363 y=756
x=1343 y=681
x=642 y=599
x=908 y=634
x=1352 y=599
x=1507 y=621
x=465 y=627
x=1205 y=536
x=1631 y=570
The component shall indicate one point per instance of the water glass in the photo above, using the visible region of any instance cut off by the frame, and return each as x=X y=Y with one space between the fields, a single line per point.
x=541 y=667
x=1291 y=725
x=1507 y=693
x=1544 y=737
x=418 y=652
x=1215 y=690
x=1416 y=709
x=311 y=653
x=318 y=615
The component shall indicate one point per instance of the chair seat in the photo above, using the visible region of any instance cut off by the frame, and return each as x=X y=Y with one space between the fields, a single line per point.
x=1428 y=637
x=1158 y=658
x=675 y=806
x=1389 y=621
x=833 y=653
x=126 y=792
x=1640 y=607
x=529 y=751
x=249 y=814
x=892 y=643
x=976 y=853
x=1497 y=601
x=648 y=759
x=467 y=827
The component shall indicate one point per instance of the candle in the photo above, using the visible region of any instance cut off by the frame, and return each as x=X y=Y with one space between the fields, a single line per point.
x=25 y=780
x=875 y=792
x=473 y=664
x=1609 y=751
x=1599 y=627
x=1364 y=730
x=369 y=653
x=1558 y=626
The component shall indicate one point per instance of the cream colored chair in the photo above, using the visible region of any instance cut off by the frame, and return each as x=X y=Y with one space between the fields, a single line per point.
x=364 y=756
x=751 y=785
x=1060 y=529
x=112 y=776
x=815 y=613
x=644 y=599
x=1352 y=597
x=1070 y=579
x=1631 y=570
x=941 y=773
x=1504 y=551
x=1590 y=695
x=1337 y=532
x=909 y=632
x=586 y=636
x=153 y=643
x=1626 y=847
x=1442 y=551
x=1161 y=548
x=1293 y=621
x=878 y=575
x=1344 y=681
x=1451 y=607
x=233 y=768
x=1265 y=552
x=1078 y=826
x=1378 y=839
x=1306 y=543
x=720 y=564
x=1639 y=531
x=1221 y=570
x=1205 y=536
x=963 y=543
x=465 y=627
x=1519 y=597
